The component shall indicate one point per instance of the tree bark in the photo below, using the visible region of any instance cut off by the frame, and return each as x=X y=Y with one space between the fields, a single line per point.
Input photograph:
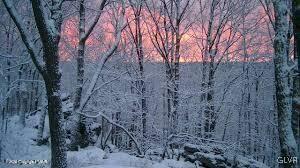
x=41 y=126
x=137 y=37
x=24 y=103
x=57 y=132
x=176 y=67
x=296 y=90
x=49 y=28
x=77 y=138
x=208 y=75
x=78 y=135
x=283 y=84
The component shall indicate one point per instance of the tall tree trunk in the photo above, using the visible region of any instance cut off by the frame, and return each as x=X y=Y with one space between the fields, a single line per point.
x=80 y=56
x=176 y=68
x=49 y=28
x=77 y=134
x=208 y=67
x=32 y=91
x=24 y=103
x=18 y=90
x=57 y=132
x=8 y=77
x=7 y=106
x=36 y=91
x=142 y=85
x=210 y=116
x=257 y=139
x=296 y=90
x=41 y=127
x=137 y=36
x=169 y=100
x=283 y=83
x=52 y=78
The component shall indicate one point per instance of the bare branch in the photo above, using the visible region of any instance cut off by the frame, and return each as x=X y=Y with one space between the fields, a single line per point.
x=90 y=29
x=102 y=62
x=24 y=34
x=100 y=114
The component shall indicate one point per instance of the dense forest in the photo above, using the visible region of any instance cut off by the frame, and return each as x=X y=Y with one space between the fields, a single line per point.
x=150 y=83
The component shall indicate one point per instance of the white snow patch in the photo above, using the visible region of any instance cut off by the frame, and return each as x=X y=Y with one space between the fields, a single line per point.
x=124 y=160
x=85 y=157
x=18 y=144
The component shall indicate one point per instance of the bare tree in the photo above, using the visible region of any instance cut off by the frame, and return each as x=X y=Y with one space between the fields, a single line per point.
x=77 y=139
x=284 y=82
x=166 y=31
x=40 y=135
x=214 y=49
x=136 y=34
x=76 y=120
x=24 y=103
x=296 y=89
x=48 y=19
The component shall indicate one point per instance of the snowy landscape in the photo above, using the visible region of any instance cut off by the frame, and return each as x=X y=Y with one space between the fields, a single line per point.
x=149 y=83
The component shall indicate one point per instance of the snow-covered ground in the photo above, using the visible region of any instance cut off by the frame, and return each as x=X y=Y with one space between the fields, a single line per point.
x=95 y=158
x=18 y=144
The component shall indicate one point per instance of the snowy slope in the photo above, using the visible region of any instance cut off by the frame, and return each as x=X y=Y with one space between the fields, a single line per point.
x=18 y=144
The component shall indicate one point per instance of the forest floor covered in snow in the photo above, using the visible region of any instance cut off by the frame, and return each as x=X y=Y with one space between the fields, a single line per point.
x=18 y=144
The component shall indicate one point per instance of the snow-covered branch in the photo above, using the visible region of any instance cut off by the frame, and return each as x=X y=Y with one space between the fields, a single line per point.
x=100 y=114
x=7 y=56
x=94 y=23
x=46 y=24
x=24 y=34
x=101 y=64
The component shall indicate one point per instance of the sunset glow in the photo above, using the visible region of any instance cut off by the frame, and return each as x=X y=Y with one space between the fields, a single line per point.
x=192 y=40
x=149 y=83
